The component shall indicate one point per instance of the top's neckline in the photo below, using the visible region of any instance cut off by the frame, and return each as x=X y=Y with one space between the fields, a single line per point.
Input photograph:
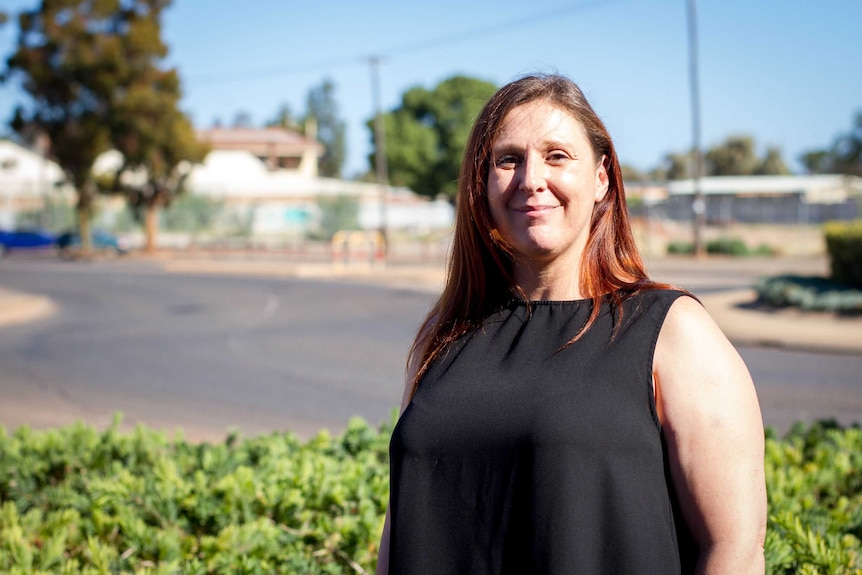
x=550 y=302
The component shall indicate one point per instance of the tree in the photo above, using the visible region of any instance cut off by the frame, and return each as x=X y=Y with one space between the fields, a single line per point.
x=426 y=134
x=734 y=157
x=843 y=157
x=847 y=149
x=284 y=119
x=242 y=119
x=772 y=164
x=91 y=71
x=323 y=110
x=676 y=166
x=817 y=161
x=632 y=174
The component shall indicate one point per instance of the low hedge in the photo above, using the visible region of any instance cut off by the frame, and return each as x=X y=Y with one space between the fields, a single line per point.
x=75 y=500
x=727 y=246
x=844 y=246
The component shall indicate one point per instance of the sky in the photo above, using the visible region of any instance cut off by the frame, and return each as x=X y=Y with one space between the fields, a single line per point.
x=788 y=72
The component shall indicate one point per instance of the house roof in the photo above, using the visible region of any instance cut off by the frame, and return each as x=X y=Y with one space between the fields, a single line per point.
x=260 y=141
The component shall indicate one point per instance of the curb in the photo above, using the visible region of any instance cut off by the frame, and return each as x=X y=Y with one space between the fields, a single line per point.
x=17 y=308
x=746 y=324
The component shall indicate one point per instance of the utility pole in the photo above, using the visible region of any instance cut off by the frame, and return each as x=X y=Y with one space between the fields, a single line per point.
x=698 y=205
x=380 y=149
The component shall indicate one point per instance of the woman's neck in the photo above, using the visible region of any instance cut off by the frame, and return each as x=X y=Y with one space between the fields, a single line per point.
x=547 y=282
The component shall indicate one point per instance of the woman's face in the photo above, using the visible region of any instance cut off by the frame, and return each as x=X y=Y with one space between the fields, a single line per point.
x=543 y=182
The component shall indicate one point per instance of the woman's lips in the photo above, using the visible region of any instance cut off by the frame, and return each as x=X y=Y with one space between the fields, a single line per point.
x=535 y=210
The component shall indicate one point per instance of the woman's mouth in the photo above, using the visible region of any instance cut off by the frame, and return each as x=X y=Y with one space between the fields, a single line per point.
x=535 y=211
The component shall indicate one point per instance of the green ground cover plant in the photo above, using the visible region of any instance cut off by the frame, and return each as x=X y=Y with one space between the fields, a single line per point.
x=809 y=293
x=79 y=500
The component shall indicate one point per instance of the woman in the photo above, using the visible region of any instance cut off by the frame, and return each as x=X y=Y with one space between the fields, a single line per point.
x=563 y=413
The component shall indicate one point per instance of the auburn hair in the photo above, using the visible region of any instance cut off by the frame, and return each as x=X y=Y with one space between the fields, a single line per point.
x=479 y=278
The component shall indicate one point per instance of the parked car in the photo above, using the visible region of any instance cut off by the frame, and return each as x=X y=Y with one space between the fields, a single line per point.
x=25 y=240
x=102 y=240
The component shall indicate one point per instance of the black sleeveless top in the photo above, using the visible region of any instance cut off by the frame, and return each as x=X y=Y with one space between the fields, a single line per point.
x=517 y=456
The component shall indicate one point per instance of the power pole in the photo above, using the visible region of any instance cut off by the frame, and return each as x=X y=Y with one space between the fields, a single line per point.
x=380 y=148
x=698 y=205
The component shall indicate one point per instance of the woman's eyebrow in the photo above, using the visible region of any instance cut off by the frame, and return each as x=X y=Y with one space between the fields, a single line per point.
x=506 y=148
x=554 y=144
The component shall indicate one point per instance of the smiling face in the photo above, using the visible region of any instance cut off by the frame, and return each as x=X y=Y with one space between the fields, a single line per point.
x=543 y=181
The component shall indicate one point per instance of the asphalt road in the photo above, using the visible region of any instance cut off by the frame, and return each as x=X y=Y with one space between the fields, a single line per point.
x=209 y=353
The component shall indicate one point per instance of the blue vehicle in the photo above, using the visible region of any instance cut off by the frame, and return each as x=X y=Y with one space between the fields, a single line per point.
x=102 y=240
x=25 y=240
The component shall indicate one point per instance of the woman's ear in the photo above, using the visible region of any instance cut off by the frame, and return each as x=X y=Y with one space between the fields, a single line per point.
x=602 y=181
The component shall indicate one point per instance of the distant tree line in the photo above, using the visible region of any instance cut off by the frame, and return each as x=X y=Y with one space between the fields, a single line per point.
x=844 y=156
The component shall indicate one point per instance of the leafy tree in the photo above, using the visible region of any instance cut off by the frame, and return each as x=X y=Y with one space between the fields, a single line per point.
x=736 y=156
x=158 y=145
x=772 y=164
x=632 y=174
x=323 y=110
x=242 y=119
x=676 y=166
x=91 y=71
x=412 y=148
x=426 y=134
x=284 y=119
x=843 y=157
x=848 y=149
x=67 y=62
x=817 y=161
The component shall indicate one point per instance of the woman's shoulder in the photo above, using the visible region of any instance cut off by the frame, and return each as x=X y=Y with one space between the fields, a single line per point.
x=652 y=296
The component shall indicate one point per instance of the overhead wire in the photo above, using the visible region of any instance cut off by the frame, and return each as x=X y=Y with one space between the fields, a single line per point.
x=223 y=77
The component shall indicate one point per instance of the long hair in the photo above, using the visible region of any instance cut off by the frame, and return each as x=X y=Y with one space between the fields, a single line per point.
x=480 y=274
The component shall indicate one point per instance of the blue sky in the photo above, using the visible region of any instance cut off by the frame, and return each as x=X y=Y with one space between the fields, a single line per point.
x=789 y=73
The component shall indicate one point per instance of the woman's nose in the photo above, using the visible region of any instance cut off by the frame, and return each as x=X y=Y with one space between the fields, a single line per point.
x=533 y=175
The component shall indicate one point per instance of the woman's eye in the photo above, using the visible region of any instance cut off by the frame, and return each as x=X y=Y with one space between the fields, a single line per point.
x=506 y=162
x=557 y=157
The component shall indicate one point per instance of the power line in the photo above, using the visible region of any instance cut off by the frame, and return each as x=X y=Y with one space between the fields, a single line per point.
x=420 y=46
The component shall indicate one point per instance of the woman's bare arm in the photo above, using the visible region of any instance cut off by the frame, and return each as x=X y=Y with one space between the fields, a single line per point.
x=712 y=422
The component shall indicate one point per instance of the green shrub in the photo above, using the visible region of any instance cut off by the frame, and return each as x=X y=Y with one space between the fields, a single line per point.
x=814 y=490
x=680 y=247
x=75 y=500
x=727 y=246
x=844 y=245
x=721 y=246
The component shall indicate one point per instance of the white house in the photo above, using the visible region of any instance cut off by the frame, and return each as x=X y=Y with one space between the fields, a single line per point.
x=272 y=181
x=27 y=180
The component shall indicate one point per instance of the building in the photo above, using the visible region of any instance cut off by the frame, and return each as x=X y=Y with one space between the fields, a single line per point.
x=268 y=177
x=28 y=182
x=767 y=199
x=277 y=148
